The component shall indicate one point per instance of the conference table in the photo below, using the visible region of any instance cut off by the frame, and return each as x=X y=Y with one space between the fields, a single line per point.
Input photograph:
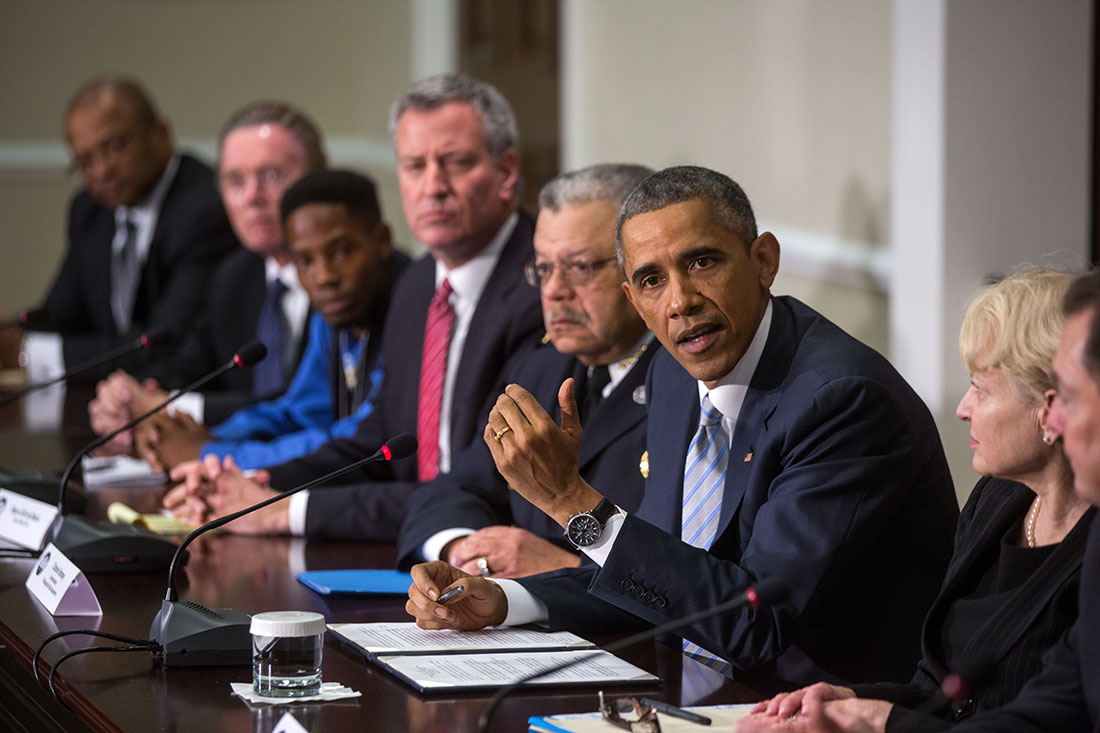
x=135 y=692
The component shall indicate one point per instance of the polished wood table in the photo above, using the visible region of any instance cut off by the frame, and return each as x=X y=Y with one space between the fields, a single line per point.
x=134 y=692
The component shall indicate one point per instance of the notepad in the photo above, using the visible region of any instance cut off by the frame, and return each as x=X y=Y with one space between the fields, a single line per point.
x=472 y=660
x=357 y=582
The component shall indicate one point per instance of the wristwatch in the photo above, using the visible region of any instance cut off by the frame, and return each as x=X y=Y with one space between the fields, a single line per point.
x=585 y=528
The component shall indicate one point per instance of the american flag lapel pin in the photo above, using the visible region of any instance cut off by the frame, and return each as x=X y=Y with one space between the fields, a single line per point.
x=748 y=456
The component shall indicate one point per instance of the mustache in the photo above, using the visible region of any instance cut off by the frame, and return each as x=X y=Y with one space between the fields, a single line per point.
x=569 y=314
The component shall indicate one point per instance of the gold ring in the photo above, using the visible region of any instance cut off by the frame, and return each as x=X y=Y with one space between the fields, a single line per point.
x=483 y=565
x=501 y=432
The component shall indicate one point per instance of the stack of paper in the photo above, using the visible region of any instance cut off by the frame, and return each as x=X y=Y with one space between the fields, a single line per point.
x=120 y=471
x=457 y=660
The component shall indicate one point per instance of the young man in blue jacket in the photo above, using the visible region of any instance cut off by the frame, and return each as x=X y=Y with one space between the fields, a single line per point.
x=346 y=262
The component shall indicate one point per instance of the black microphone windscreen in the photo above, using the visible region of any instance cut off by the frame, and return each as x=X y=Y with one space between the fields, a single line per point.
x=249 y=354
x=401 y=445
x=155 y=336
x=32 y=318
x=771 y=592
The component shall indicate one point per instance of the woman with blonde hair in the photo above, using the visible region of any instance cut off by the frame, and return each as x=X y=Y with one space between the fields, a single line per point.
x=1011 y=587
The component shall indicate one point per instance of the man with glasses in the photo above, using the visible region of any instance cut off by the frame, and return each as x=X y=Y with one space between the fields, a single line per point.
x=263 y=148
x=469 y=517
x=145 y=234
x=458 y=316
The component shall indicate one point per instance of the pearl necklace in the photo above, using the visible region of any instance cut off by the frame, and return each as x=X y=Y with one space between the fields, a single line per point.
x=1029 y=525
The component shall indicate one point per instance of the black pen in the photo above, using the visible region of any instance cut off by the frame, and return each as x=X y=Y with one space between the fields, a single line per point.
x=451 y=594
x=667 y=709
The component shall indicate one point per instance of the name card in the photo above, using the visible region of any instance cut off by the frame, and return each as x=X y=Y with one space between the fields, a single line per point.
x=25 y=521
x=288 y=724
x=58 y=584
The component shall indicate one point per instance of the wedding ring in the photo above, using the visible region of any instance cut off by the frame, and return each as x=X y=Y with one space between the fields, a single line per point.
x=501 y=432
x=483 y=565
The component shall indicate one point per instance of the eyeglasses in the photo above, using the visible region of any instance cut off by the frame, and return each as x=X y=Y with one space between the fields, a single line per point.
x=644 y=722
x=235 y=183
x=575 y=272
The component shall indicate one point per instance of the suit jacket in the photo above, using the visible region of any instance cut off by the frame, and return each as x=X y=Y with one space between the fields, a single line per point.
x=508 y=316
x=192 y=234
x=474 y=494
x=1007 y=650
x=837 y=487
x=230 y=319
x=1065 y=696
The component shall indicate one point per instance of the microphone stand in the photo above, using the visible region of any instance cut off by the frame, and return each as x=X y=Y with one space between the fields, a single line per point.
x=98 y=546
x=147 y=340
x=191 y=635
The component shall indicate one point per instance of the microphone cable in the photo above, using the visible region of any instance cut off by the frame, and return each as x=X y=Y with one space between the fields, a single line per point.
x=135 y=646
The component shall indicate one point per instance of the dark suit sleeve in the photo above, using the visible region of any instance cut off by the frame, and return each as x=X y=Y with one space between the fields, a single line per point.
x=473 y=495
x=1055 y=698
x=839 y=467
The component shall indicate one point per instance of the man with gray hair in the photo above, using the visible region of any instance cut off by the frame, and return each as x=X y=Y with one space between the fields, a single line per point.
x=780 y=449
x=469 y=517
x=458 y=316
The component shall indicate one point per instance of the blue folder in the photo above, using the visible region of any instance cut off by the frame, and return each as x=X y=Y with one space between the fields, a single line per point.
x=360 y=582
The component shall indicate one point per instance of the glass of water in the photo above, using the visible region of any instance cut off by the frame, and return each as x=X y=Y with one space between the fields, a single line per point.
x=286 y=653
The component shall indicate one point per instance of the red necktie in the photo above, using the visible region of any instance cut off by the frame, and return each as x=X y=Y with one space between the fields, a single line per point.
x=433 y=370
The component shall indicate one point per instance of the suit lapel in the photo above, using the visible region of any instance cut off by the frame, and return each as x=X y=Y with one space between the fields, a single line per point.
x=760 y=402
x=997 y=636
x=618 y=413
x=100 y=264
x=486 y=322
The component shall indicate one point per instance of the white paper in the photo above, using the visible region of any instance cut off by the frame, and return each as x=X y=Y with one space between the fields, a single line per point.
x=328 y=691
x=119 y=471
x=491 y=670
x=25 y=521
x=60 y=586
x=407 y=637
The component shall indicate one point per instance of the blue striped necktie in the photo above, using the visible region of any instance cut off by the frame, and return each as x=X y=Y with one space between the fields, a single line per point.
x=704 y=481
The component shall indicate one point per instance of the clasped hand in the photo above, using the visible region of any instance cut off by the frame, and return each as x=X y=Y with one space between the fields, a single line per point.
x=212 y=488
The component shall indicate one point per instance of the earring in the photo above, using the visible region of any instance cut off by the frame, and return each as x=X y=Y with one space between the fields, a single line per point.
x=1047 y=439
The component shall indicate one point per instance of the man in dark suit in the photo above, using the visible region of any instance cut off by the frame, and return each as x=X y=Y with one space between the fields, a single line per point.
x=464 y=516
x=263 y=148
x=459 y=315
x=145 y=234
x=780 y=449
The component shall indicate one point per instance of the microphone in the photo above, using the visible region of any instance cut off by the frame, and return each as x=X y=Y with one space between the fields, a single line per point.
x=191 y=635
x=96 y=546
x=26 y=319
x=956 y=691
x=766 y=593
x=152 y=338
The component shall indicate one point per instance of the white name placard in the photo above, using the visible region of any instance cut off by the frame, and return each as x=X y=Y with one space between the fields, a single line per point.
x=288 y=724
x=58 y=584
x=23 y=520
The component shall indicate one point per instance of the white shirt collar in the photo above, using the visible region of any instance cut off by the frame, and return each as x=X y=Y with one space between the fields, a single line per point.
x=145 y=212
x=729 y=394
x=618 y=370
x=469 y=278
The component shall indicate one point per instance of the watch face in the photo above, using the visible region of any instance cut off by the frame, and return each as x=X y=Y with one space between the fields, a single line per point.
x=584 y=530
